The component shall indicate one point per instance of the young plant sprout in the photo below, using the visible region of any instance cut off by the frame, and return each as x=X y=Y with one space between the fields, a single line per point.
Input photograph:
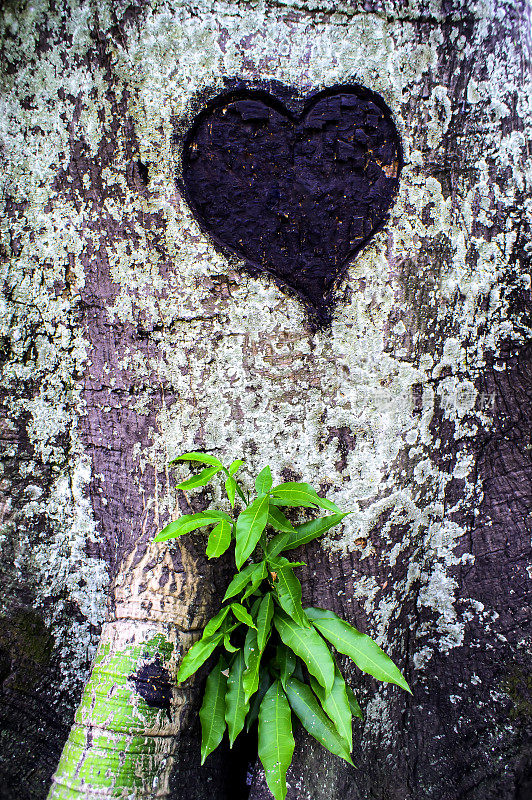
x=275 y=655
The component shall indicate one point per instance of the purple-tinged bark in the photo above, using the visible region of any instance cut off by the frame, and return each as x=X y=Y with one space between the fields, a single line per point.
x=128 y=338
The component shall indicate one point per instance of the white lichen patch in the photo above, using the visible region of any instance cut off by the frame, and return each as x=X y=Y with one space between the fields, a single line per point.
x=85 y=579
x=51 y=524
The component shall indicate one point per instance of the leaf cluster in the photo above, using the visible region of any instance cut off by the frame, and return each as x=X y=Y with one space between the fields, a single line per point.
x=275 y=656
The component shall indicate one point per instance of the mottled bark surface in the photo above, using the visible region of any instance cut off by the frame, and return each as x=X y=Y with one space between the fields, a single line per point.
x=128 y=338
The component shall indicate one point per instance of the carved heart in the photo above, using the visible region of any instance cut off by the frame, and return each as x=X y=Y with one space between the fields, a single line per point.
x=296 y=197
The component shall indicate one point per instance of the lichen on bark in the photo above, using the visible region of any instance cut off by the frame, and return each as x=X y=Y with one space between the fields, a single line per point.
x=127 y=338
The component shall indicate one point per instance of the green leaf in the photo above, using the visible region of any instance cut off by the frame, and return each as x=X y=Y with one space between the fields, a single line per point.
x=287 y=495
x=228 y=645
x=336 y=706
x=249 y=526
x=309 y=646
x=314 y=719
x=356 y=711
x=201 y=479
x=287 y=662
x=214 y=623
x=310 y=530
x=219 y=540
x=298 y=672
x=276 y=742
x=196 y=656
x=264 y=620
x=252 y=657
x=235 y=466
x=276 y=545
x=212 y=712
x=288 y=590
x=242 y=615
x=190 y=522
x=279 y=562
x=258 y=577
x=278 y=521
x=230 y=488
x=265 y=681
x=360 y=648
x=255 y=607
x=263 y=481
x=201 y=458
x=236 y=706
x=241 y=579
x=300 y=495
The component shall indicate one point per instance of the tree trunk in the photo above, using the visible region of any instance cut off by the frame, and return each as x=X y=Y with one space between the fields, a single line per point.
x=128 y=337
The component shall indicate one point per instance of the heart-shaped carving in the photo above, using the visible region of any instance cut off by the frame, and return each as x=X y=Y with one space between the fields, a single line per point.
x=295 y=196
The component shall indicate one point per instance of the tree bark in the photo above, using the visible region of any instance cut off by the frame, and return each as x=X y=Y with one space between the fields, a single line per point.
x=127 y=338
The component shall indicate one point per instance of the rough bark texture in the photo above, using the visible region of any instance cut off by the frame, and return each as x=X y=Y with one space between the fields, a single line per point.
x=128 y=338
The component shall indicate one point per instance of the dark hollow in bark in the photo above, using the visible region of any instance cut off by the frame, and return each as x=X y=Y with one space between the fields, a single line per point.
x=152 y=682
